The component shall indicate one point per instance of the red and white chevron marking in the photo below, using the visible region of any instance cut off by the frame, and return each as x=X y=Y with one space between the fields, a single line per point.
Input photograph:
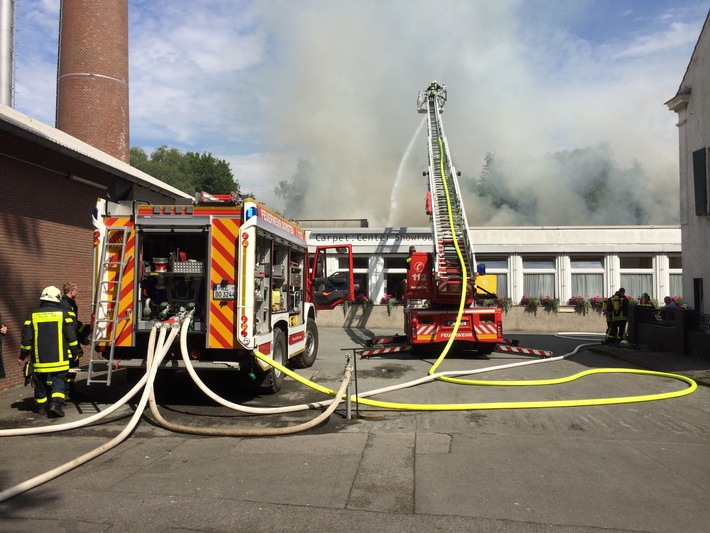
x=485 y=329
x=383 y=350
x=526 y=351
x=426 y=329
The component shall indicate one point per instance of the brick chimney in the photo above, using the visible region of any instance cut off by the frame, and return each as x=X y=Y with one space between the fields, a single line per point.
x=92 y=82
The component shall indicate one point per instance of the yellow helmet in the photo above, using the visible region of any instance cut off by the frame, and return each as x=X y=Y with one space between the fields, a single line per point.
x=51 y=294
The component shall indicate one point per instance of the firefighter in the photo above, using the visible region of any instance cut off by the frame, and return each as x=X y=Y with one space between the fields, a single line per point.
x=68 y=303
x=619 y=307
x=606 y=311
x=48 y=336
x=412 y=249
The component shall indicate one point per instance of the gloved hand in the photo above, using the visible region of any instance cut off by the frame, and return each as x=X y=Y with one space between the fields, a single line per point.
x=27 y=371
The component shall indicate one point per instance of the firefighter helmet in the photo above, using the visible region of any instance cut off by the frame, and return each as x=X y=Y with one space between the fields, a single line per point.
x=51 y=294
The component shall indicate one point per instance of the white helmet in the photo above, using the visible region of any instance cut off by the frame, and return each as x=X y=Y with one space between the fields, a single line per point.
x=51 y=294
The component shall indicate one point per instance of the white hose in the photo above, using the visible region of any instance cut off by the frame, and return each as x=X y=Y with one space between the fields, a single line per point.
x=84 y=421
x=66 y=467
x=241 y=432
x=236 y=406
x=155 y=357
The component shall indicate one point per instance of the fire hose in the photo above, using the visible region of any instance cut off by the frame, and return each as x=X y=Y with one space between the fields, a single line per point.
x=156 y=353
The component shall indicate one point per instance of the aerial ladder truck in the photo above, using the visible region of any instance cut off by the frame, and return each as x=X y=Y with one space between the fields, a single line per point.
x=441 y=285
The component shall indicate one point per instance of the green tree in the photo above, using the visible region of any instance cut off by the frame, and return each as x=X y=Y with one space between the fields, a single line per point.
x=190 y=172
x=210 y=174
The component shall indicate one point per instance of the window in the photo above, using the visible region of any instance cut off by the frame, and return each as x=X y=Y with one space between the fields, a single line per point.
x=360 y=282
x=502 y=285
x=539 y=276
x=675 y=262
x=675 y=284
x=578 y=263
x=539 y=263
x=395 y=272
x=394 y=285
x=587 y=276
x=396 y=262
x=360 y=276
x=636 y=274
x=675 y=275
x=635 y=262
x=359 y=261
x=498 y=267
x=493 y=263
x=700 y=180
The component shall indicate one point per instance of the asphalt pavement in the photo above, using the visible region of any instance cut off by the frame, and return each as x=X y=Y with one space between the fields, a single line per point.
x=478 y=464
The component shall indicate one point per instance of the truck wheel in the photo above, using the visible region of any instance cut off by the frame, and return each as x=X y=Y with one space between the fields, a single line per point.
x=274 y=377
x=306 y=358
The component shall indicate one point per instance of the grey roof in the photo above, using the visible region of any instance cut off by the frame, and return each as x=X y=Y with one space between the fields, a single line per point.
x=38 y=132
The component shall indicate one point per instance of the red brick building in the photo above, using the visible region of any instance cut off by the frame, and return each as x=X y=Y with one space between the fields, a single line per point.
x=49 y=185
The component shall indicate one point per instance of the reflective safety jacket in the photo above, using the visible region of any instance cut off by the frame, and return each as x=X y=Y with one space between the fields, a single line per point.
x=619 y=307
x=49 y=336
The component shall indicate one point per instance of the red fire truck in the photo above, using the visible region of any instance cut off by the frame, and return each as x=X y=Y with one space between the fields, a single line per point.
x=437 y=279
x=243 y=270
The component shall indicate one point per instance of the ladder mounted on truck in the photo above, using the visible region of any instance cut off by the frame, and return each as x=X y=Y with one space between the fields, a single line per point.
x=107 y=293
x=448 y=218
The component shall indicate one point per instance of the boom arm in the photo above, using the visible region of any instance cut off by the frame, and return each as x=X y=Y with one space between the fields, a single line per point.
x=447 y=216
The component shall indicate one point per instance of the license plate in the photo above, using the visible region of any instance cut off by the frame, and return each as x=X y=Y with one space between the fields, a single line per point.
x=224 y=292
x=452 y=323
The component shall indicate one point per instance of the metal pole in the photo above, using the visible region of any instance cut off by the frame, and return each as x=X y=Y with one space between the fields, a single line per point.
x=348 y=406
x=348 y=403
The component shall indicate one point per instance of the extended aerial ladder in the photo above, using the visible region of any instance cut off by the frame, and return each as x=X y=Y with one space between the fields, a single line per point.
x=444 y=205
x=441 y=285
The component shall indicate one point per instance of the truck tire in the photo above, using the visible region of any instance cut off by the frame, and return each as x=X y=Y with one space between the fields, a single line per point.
x=306 y=358
x=274 y=378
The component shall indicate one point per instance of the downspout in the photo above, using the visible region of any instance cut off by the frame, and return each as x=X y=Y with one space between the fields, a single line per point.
x=7 y=51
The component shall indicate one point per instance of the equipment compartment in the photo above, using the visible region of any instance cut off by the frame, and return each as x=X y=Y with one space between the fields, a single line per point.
x=173 y=275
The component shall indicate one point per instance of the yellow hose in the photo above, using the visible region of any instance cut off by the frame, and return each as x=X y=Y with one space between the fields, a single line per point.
x=511 y=405
x=497 y=405
x=464 y=272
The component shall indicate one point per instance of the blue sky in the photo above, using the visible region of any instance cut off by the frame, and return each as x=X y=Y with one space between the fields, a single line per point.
x=266 y=84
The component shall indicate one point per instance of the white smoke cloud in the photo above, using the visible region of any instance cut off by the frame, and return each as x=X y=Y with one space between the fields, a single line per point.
x=267 y=84
x=344 y=77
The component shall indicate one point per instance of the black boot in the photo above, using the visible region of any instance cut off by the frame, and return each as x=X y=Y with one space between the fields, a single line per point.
x=55 y=411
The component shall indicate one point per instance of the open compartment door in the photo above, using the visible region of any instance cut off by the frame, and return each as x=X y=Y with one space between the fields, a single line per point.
x=331 y=276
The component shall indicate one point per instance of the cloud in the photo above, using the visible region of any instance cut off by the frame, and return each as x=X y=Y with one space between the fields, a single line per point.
x=267 y=84
x=352 y=72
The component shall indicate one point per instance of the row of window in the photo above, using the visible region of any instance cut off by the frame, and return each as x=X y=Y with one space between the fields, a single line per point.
x=541 y=276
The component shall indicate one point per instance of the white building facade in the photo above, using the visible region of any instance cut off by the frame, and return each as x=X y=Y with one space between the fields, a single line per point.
x=692 y=104
x=560 y=262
